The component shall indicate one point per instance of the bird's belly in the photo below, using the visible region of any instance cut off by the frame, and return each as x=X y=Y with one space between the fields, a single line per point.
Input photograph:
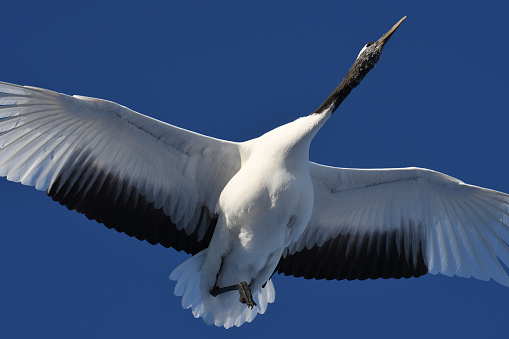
x=257 y=222
x=264 y=209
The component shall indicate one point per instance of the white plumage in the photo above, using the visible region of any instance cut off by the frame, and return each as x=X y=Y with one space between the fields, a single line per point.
x=247 y=209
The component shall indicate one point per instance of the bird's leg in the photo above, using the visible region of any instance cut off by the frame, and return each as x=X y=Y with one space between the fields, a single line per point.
x=245 y=293
x=220 y=290
x=216 y=287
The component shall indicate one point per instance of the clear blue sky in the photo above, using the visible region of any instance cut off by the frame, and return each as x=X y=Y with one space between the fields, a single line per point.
x=437 y=99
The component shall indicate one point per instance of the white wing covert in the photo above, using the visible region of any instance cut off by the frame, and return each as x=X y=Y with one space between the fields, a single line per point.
x=128 y=171
x=393 y=223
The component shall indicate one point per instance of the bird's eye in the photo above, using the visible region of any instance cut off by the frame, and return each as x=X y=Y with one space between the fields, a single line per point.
x=370 y=43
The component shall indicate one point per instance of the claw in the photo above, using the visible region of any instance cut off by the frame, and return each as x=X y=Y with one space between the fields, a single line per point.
x=245 y=294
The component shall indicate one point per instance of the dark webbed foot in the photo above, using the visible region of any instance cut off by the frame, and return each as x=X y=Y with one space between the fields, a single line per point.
x=244 y=291
x=245 y=294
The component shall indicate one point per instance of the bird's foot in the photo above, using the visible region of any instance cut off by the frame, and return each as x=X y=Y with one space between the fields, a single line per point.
x=245 y=294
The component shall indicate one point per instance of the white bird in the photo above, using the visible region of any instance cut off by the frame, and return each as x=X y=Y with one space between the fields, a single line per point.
x=245 y=210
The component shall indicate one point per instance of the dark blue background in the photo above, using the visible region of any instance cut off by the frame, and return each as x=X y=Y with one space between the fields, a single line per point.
x=232 y=70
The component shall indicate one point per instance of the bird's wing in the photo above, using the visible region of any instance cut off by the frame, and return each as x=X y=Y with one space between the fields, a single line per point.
x=143 y=177
x=393 y=223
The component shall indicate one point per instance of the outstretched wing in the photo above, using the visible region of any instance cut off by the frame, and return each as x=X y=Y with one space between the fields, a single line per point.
x=135 y=174
x=393 y=223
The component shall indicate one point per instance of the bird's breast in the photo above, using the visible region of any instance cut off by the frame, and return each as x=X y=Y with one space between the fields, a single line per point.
x=270 y=205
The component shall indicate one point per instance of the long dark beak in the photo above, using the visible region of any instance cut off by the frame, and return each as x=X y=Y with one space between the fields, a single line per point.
x=383 y=40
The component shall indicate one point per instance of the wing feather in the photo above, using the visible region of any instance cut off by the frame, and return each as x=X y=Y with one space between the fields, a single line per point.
x=133 y=173
x=394 y=223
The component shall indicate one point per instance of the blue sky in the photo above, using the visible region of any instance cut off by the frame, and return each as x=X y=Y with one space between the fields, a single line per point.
x=234 y=70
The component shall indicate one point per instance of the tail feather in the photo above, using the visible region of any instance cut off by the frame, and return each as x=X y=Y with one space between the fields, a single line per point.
x=225 y=309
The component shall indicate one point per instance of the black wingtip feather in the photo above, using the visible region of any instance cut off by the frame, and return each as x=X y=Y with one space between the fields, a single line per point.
x=357 y=256
x=120 y=206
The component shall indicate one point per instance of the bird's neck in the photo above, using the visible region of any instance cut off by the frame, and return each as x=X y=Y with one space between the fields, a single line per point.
x=362 y=65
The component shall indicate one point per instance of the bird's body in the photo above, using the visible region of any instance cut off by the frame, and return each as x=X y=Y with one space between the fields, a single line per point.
x=247 y=210
x=264 y=208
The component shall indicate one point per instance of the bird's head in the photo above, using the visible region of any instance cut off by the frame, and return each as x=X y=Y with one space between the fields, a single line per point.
x=370 y=53
x=366 y=60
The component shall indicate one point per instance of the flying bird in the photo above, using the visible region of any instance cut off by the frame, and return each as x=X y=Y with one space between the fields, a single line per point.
x=246 y=210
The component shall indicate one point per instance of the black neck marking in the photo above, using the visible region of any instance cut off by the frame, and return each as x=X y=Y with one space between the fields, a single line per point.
x=364 y=63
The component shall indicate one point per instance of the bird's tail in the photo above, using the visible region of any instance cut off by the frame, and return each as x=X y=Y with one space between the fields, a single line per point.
x=223 y=310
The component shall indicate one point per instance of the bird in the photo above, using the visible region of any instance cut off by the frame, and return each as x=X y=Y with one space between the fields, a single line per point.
x=248 y=210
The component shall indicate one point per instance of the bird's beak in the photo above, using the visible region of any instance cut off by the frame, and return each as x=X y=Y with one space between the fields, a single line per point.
x=383 y=40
